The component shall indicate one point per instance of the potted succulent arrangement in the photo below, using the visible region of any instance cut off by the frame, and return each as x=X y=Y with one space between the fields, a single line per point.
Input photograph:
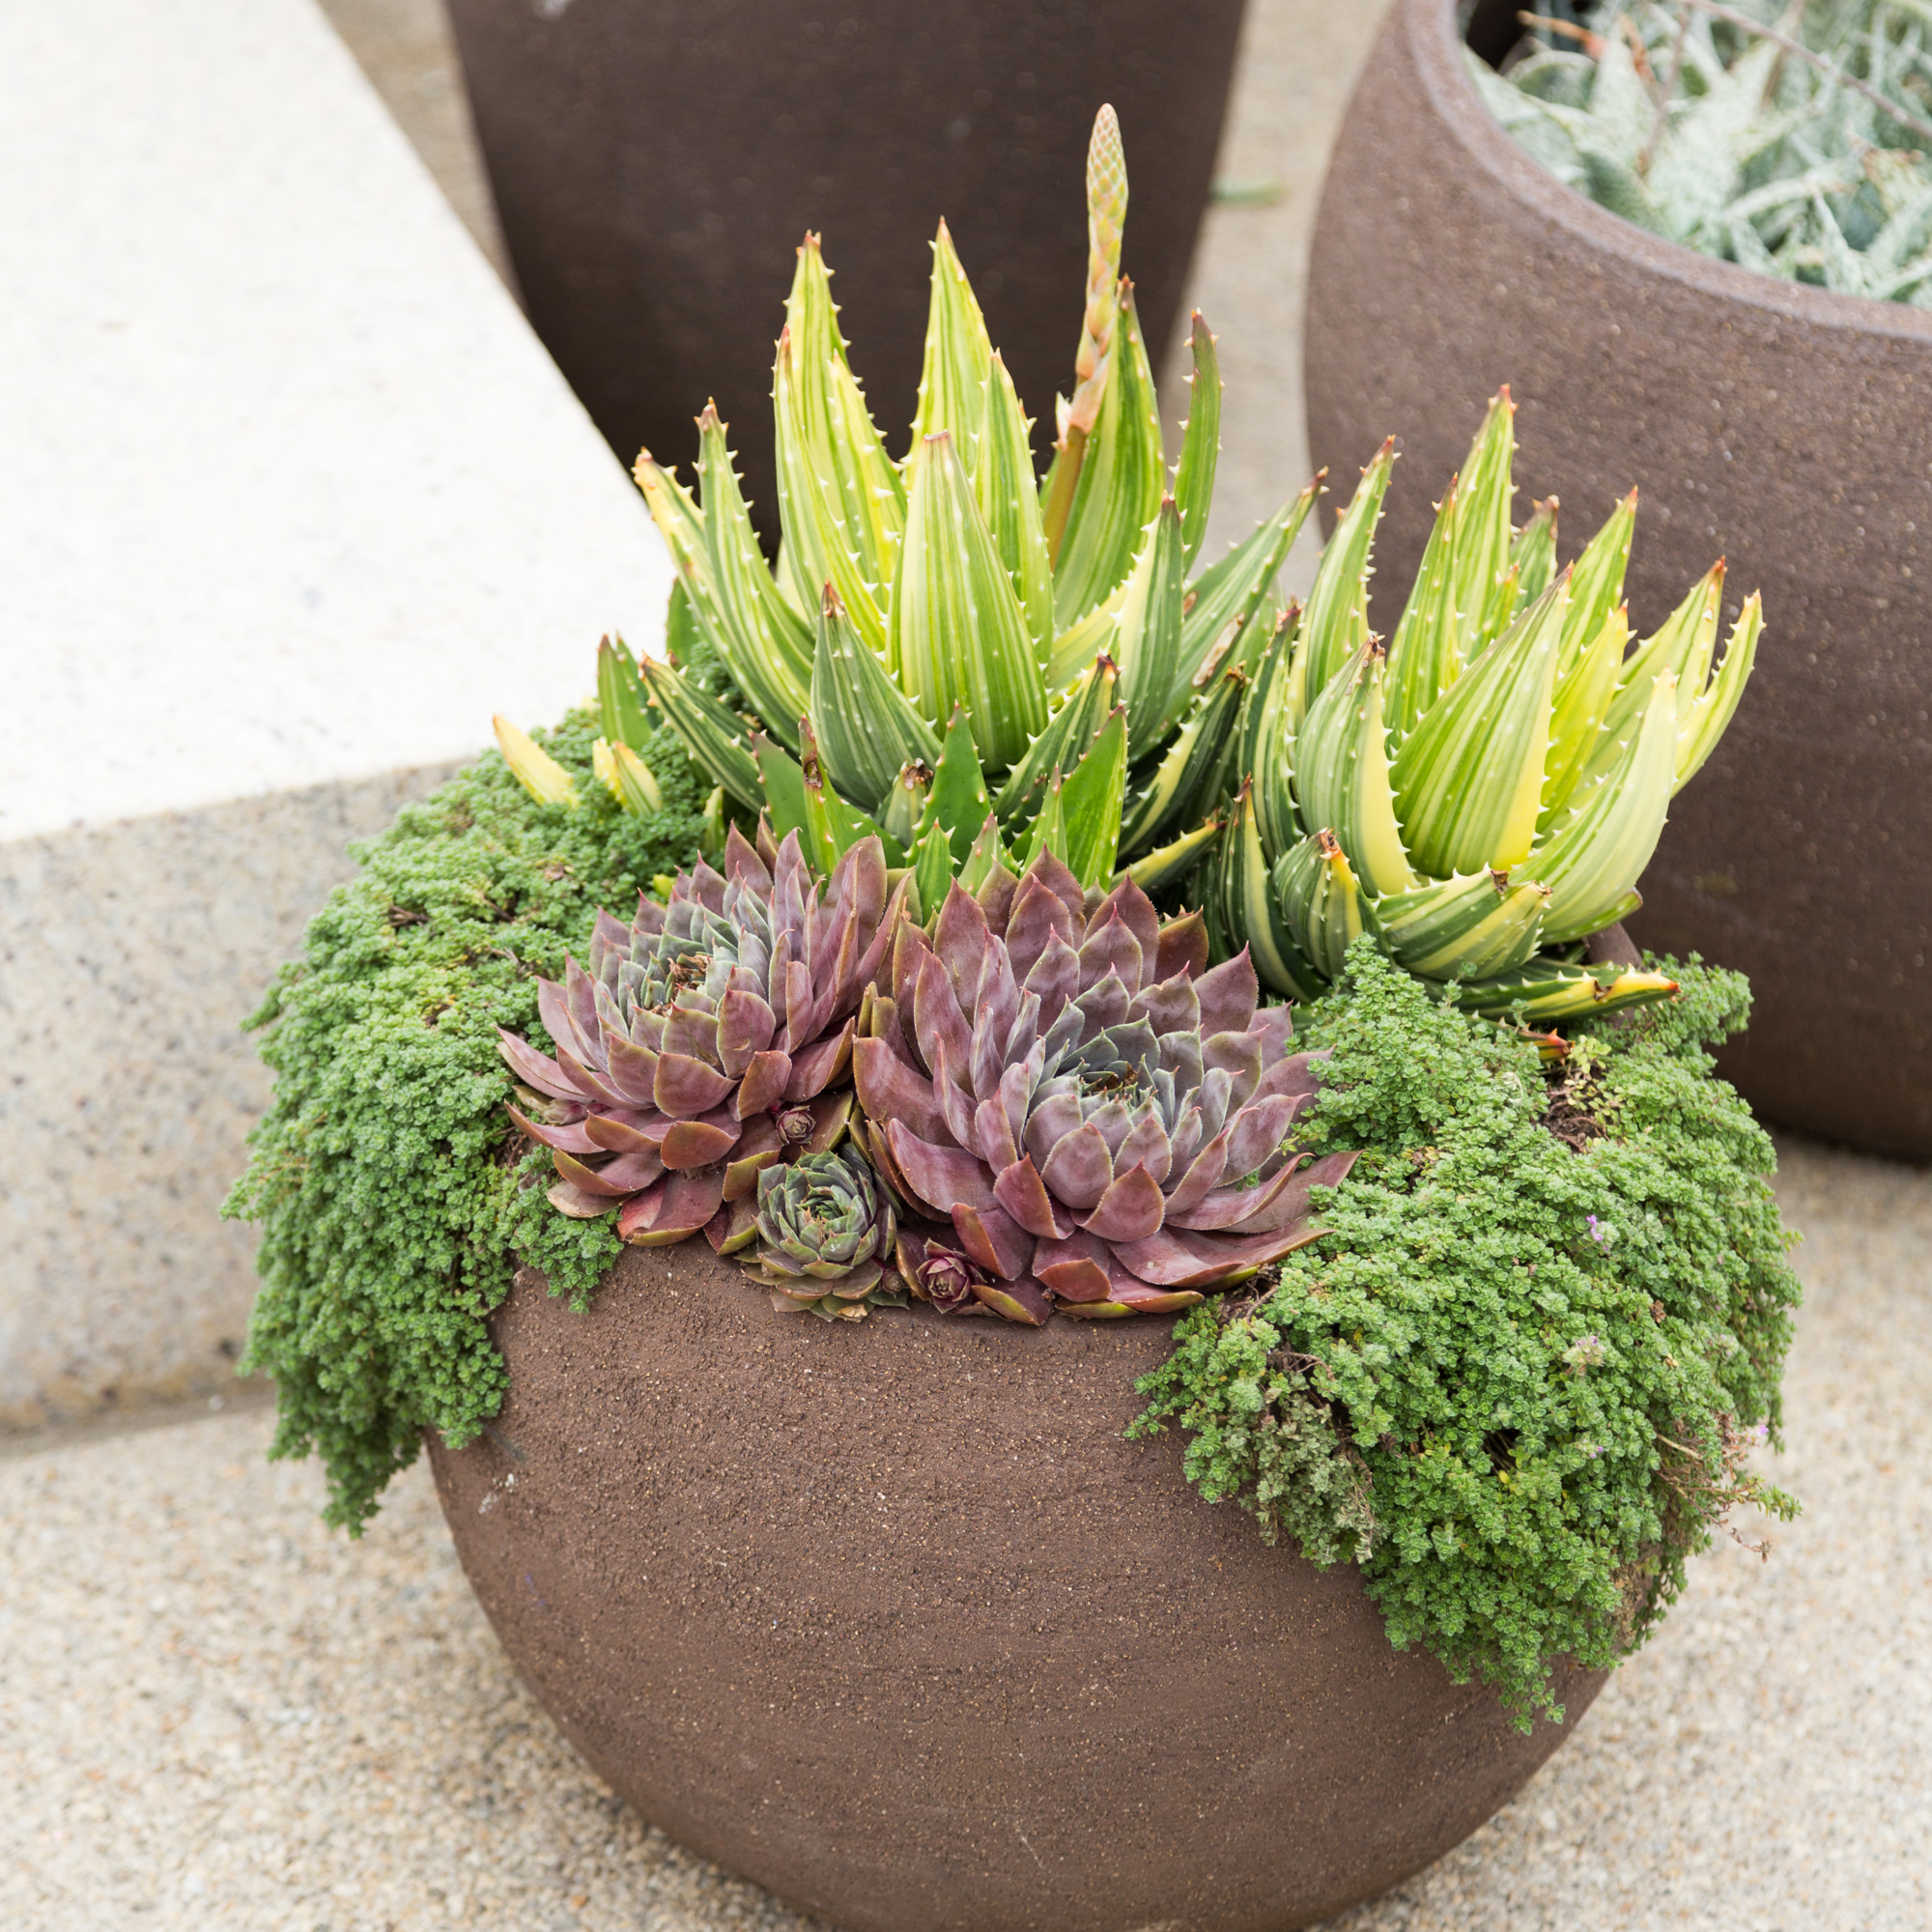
x=1007 y=1032
x=1694 y=238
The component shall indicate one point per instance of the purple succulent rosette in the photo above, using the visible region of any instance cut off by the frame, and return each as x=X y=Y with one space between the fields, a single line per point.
x=1104 y=1125
x=709 y=1040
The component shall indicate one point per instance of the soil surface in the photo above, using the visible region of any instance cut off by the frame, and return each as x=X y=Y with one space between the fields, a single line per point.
x=890 y=1616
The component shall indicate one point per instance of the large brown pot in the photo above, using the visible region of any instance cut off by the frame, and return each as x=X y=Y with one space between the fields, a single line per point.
x=1785 y=427
x=656 y=161
x=891 y=1618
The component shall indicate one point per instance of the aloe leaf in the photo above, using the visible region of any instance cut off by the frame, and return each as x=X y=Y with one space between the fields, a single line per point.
x=1713 y=709
x=1552 y=990
x=1533 y=553
x=1169 y=864
x=1010 y=505
x=682 y=527
x=1122 y=478
x=535 y=770
x=1468 y=779
x=957 y=631
x=626 y=776
x=1592 y=862
x=712 y=830
x=906 y=805
x=1076 y=647
x=765 y=644
x=866 y=726
x=620 y=695
x=1424 y=657
x=1247 y=908
x=1082 y=716
x=1342 y=774
x=1597 y=584
x=1228 y=611
x=1148 y=632
x=1194 y=775
x=959 y=360
x=1323 y=902
x=1576 y=715
x=932 y=868
x=987 y=858
x=1267 y=736
x=1092 y=799
x=1335 y=623
x=958 y=803
x=820 y=549
x=1201 y=440
x=1049 y=826
x=1479 y=570
x=1470 y=927
x=859 y=483
x=833 y=825
x=712 y=735
x=783 y=784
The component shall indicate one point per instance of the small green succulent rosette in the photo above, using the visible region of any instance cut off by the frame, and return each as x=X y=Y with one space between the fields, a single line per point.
x=825 y=1237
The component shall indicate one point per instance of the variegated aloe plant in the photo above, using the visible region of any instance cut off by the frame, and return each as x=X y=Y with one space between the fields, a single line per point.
x=1483 y=791
x=975 y=665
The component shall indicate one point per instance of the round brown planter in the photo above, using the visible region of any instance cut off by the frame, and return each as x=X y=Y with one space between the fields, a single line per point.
x=1785 y=428
x=656 y=161
x=892 y=1619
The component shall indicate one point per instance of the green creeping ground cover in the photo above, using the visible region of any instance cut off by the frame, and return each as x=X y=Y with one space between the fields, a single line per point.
x=391 y=1201
x=1518 y=1380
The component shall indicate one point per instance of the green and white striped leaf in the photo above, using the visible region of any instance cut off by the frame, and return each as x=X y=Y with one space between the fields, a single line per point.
x=1713 y=709
x=1576 y=720
x=1468 y=779
x=1146 y=635
x=1323 y=902
x=1201 y=440
x=783 y=785
x=1468 y=928
x=1342 y=774
x=1335 y=622
x=957 y=633
x=626 y=776
x=1592 y=862
x=932 y=868
x=987 y=858
x=1168 y=865
x=1197 y=771
x=958 y=803
x=1082 y=716
x=620 y=695
x=906 y=805
x=868 y=729
x=1552 y=990
x=959 y=360
x=1049 y=826
x=1268 y=748
x=1092 y=799
x=1010 y=505
x=1246 y=909
x=1533 y=553
x=1479 y=585
x=1076 y=647
x=1424 y=656
x=1597 y=584
x=713 y=737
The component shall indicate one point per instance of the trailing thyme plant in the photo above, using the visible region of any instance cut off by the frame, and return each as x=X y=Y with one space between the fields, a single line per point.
x=1792 y=138
x=1516 y=1380
x=394 y=1200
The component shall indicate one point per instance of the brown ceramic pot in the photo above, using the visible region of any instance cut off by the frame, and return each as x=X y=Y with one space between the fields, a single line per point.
x=1785 y=428
x=891 y=1618
x=656 y=161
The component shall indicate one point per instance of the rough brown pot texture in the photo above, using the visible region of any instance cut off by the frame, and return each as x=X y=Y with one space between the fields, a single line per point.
x=889 y=1617
x=656 y=161
x=1784 y=427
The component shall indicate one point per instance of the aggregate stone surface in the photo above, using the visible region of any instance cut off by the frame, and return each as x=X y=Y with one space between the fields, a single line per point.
x=215 y=1713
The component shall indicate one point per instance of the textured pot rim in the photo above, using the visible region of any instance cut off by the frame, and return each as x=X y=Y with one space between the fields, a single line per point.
x=1429 y=29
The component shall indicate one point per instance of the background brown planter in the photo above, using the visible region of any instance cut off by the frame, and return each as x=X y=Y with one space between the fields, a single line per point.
x=1784 y=427
x=656 y=161
x=891 y=1618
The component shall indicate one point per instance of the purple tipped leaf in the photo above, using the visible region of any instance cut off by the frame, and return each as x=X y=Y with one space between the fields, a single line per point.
x=734 y=1226
x=830 y=1118
x=803 y=1019
x=954 y=1102
x=1021 y=1192
x=1130 y=1209
x=1037 y=914
x=993 y=1134
x=993 y=1239
x=1176 y=1258
x=741 y=1171
x=1055 y=978
x=1182 y=948
x=1253 y=1134
x=577 y=1205
x=1051 y=1121
x=742 y=862
x=959 y=940
x=888 y=1089
x=815 y=1070
x=631 y=1131
x=699 y=1143
x=591 y=1085
x=590 y=1180
x=943 y=1177
x=746 y=1025
x=566 y=1140
x=1078 y=1169
x=536 y=1069
x=1237 y=1055
x=579 y=992
x=1022 y=1301
x=685 y=1087
x=633 y=1070
x=1111 y=948
x=689 y=1199
x=1059 y=879
x=1202 y=1173
x=1229 y=996
x=1135 y=910
x=936 y=1017
x=1147 y=1145
x=764 y=1083
x=1169 y=1006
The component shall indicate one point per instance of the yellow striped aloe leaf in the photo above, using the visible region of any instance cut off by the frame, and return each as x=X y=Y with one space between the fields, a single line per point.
x=1577 y=719
x=1713 y=709
x=1247 y=905
x=765 y=644
x=1092 y=799
x=711 y=734
x=535 y=770
x=868 y=729
x=1468 y=779
x=1323 y=902
x=988 y=860
x=1267 y=736
x=932 y=868
x=1010 y=505
x=1147 y=636
x=1201 y=439
x=819 y=548
x=863 y=493
x=1192 y=775
x=1533 y=553
x=832 y=825
x=1597 y=584
x=1424 y=657
x=1231 y=604
x=1478 y=585
x=958 y=803
x=957 y=631
x=681 y=526
x=1076 y=647
x=626 y=776
x=959 y=360
x=1049 y=827
x=1122 y=478
x=1342 y=774
x=1591 y=863
x=1471 y=926
x=1335 y=623
x=783 y=785
x=906 y=805
x=1553 y=990
x=1685 y=638
x=1082 y=716
x=620 y=695
x=1170 y=864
